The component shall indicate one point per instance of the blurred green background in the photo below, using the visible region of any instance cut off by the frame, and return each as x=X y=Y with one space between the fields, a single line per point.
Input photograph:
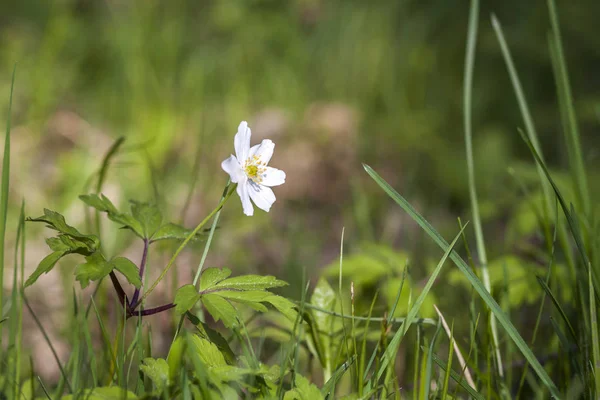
x=333 y=83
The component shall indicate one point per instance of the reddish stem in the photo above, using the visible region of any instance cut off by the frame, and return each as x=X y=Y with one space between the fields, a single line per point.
x=120 y=292
x=150 y=311
x=136 y=294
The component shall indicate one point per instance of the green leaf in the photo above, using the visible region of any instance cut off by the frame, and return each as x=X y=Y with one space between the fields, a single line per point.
x=175 y=357
x=103 y=204
x=149 y=217
x=103 y=393
x=324 y=298
x=205 y=331
x=45 y=266
x=304 y=390
x=368 y=267
x=250 y=298
x=250 y=282
x=56 y=244
x=100 y=203
x=94 y=268
x=128 y=222
x=174 y=231
x=158 y=372
x=211 y=276
x=284 y=306
x=57 y=222
x=220 y=309
x=185 y=298
x=208 y=352
x=128 y=269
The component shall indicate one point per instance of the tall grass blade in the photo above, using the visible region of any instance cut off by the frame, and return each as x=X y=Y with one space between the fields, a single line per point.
x=569 y=212
x=572 y=137
x=527 y=119
x=562 y=313
x=4 y=196
x=16 y=306
x=468 y=105
x=473 y=280
x=595 y=340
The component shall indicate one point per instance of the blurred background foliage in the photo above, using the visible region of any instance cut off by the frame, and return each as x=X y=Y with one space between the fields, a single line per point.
x=334 y=84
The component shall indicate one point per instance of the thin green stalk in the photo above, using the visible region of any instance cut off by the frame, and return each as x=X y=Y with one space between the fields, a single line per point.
x=39 y=324
x=448 y=364
x=426 y=378
x=525 y=113
x=196 y=280
x=595 y=340
x=420 y=321
x=17 y=307
x=468 y=106
x=213 y=227
x=4 y=195
x=184 y=243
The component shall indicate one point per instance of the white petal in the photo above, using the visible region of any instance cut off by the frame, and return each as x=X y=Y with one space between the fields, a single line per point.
x=242 y=191
x=262 y=196
x=273 y=177
x=241 y=141
x=263 y=151
x=233 y=168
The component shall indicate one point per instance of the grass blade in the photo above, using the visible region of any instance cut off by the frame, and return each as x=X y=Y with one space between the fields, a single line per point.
x=595 y=341
x=39 y=324
x=391 y=350
x=572 y=137
x=426 y=383
x=4 y=195
x=458 y=378
x=563 y=315
x=448 y=364
x=473 y=280
x=459 y=356
x=337 y=374
x=467 y=105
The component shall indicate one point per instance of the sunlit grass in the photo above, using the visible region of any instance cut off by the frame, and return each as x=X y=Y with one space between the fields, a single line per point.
x=362 y=338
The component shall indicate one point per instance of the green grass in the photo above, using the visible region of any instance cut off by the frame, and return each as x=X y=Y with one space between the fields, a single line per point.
x=520 y=290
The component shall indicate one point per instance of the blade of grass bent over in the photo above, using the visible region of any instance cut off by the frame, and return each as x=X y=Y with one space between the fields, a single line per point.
x=473 y=280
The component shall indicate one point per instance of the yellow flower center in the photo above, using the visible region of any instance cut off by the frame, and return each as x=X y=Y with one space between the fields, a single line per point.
x=252 y=171
x=255 y=169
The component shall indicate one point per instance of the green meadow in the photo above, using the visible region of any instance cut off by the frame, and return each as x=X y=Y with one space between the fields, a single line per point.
x=299 y=200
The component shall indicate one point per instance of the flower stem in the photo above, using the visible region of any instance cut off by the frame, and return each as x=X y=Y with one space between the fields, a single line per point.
x=151 y=311
x=136 y=294
x=120 y=292
x=183 y=244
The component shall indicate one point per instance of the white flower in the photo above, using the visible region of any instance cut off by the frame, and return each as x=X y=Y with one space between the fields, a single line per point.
x=248 y=168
